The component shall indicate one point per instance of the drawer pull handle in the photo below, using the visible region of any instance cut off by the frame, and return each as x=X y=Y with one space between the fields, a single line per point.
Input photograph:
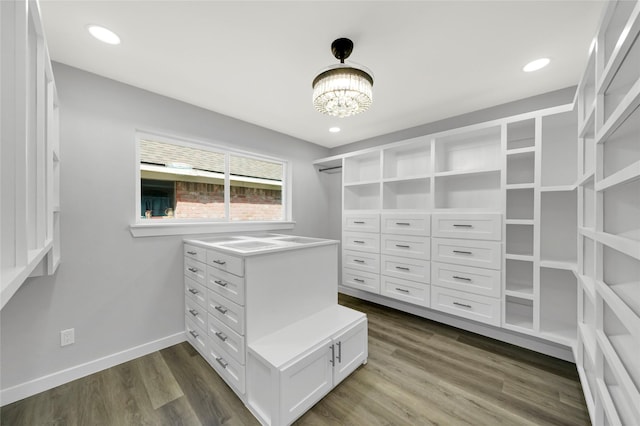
x=194 y=334
x=222 y=362
x=194 y=270
x=221 y=283
x=193 y=291
x=359 y=222
x=404 y=290
x=358 y=260
x=403 y=246
x=402 y=268
x=192 y=253
x=462 y=304
x=461 y=225
x=403 y=223
x=462 y=252
x=358 y=242
x=339 y=357
x=222 y=310
x=221 y=336
x=462 y=278
x=358 y=280
x=193 y=312
x=219 y=262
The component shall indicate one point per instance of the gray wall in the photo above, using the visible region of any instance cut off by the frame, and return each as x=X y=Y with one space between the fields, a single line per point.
x=115 y=290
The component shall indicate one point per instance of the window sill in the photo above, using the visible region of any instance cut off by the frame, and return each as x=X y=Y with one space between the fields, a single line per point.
x=164 y=229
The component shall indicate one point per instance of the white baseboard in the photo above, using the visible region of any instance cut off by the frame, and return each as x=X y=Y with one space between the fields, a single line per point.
x=41 y=384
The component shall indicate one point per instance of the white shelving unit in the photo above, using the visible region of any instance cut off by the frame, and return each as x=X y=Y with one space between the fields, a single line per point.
x=566 y=181
x=608 y=226
x=29 y=155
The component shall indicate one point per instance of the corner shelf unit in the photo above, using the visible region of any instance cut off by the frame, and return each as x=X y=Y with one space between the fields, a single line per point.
x=608 y=200
x=30 y=154
x=540 y=258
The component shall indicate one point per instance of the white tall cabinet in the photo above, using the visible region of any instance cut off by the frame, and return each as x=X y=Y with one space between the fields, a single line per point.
x=609 y=219
x=29 y=153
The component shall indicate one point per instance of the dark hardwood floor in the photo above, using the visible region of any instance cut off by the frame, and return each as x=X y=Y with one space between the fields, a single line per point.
x=419 y=373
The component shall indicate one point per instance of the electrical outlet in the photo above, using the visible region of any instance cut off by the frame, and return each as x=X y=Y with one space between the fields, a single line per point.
x=67 y=337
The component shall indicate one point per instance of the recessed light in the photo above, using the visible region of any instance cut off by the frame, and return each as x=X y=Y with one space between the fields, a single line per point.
x=536 y=65
x=103 y=34
x=334 y=129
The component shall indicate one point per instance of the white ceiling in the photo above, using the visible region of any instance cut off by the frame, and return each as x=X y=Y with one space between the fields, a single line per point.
x=255 y=60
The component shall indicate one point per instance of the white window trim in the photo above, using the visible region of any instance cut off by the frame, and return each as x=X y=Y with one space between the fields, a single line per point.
x=142 y=228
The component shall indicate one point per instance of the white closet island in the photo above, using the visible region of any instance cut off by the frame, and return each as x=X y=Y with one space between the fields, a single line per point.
x=263 y=311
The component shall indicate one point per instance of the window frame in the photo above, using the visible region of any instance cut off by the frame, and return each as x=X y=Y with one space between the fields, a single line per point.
x=141 y=227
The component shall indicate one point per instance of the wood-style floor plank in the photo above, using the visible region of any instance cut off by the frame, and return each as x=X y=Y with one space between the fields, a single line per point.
x=419 y=372
x=158 y=380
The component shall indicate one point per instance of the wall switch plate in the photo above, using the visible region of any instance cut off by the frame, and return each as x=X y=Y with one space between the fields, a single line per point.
x=67 y=337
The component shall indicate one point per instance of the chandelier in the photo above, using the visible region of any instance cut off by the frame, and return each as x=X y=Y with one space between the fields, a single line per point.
x=342 y=90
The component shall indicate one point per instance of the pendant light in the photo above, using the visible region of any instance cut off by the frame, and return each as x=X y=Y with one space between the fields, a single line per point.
x=342 y=90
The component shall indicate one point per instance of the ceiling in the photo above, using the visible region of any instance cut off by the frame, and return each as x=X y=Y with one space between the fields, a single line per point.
x=255 y=60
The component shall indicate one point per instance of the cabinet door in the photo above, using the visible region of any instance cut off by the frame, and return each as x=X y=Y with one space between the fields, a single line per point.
x=350 y=350
x=304 y=382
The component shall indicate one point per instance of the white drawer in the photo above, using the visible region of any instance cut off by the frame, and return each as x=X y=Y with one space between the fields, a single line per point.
x=226 y=284
x=361 y=222
x=467 y=305
x=229 y=369
x=195 y=291
x=362 y=261
x=485 y=282
x=229 y=340
x=226 y=262
x=195 y=270
x=407 y=224
x=406 y=268
x=470 y=226
x=406 y=246
x=361 y=280
x=196 y=313
x=361 y=241
x=195 y=253
x=407 y=291
x=226 y=311
x=196 y=337
x=485 y=254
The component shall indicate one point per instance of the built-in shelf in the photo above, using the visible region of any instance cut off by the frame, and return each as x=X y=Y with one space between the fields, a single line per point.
x=521 y=168
x=519 y=278
x=521 y=136
x=558 y=226
x=628 y=174
x=519 y=240
x=411 y=159
x=559 y=150
x=518 y=313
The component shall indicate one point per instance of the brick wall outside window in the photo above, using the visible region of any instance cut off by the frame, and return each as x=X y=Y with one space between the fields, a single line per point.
x=205 y=200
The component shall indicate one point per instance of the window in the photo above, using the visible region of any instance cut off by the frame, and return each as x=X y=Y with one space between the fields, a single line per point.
x=189 y=182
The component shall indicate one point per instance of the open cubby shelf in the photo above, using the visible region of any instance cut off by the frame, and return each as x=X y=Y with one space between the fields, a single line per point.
x=558 y=226
x=558 y=303
x=480 y=191
x=519 y=240
x=521 y=134
x=519 y=312
x=520 y=168
x=559 y=149
x=520 y=204
x=473 y=150
x=519 y=277
x=408 y=160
